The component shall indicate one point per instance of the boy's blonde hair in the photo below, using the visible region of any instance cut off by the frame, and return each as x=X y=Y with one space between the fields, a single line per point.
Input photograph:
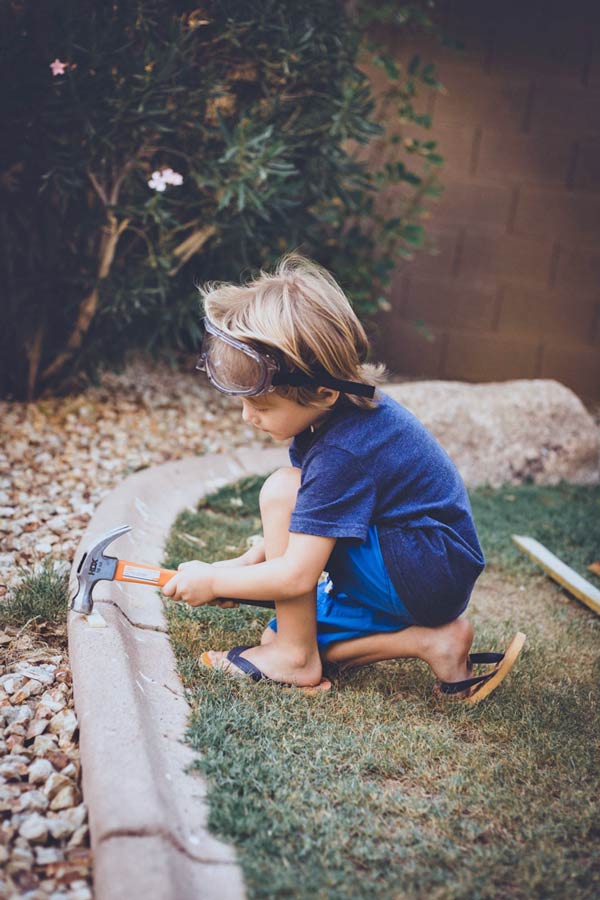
x=300 y=315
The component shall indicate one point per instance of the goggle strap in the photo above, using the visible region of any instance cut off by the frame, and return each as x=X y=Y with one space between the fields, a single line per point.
x=299 y=379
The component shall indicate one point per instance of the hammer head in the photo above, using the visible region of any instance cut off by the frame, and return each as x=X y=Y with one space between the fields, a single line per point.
x=93 y=567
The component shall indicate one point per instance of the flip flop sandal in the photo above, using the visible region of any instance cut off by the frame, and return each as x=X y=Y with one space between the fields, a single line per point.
x=473 y=690
x=249 y=670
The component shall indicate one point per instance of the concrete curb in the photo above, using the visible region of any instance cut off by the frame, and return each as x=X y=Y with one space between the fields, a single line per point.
x=147 y=813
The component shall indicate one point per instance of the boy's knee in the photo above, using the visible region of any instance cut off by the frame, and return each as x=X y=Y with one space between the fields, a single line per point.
x=280 y=487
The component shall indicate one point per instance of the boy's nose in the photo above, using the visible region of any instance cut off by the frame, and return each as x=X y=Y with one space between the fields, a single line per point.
x=247 y=412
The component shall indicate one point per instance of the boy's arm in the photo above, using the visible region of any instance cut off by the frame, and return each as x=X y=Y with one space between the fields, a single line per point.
x=254 y=554
x=291 y=575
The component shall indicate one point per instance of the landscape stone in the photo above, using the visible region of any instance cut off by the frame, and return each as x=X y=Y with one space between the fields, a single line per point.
x=60 y=828
x=45 y=856
x=40 y=770
x=32 y=800
x=44 y=742
x=510 y=432
x=55 y=783
x=68 y=796
x=64 y=724
x=34 y=829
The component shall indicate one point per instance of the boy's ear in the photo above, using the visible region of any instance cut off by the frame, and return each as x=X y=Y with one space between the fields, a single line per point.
x=328 y=395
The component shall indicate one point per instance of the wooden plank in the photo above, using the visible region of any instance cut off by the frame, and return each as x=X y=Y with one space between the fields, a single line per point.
x=559 y=571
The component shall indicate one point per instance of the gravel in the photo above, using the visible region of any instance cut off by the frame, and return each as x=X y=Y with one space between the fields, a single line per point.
x=58 y=458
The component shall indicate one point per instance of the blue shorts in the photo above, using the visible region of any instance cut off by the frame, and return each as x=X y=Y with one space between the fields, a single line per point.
x=359 y=599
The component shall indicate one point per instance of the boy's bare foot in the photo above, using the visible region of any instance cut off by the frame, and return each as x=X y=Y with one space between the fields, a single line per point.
x=448 y=650
x=284 y=664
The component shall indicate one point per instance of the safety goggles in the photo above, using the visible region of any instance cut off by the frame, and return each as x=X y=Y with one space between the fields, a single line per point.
x=234 y=367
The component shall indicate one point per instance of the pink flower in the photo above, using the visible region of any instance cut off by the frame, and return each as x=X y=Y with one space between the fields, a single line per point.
x=58 y=67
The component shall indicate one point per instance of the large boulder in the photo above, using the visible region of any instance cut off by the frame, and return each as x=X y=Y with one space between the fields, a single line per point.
x=509 y=432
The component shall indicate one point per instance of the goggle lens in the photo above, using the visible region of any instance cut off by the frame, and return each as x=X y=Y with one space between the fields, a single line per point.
x=231 y=369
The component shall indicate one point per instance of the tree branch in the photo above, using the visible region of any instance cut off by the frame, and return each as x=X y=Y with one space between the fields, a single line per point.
x=111 y=233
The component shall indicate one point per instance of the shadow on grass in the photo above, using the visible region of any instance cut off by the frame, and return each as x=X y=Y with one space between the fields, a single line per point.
x=378 y=789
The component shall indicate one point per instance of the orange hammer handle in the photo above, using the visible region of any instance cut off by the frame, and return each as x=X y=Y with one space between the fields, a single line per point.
x=139 y=573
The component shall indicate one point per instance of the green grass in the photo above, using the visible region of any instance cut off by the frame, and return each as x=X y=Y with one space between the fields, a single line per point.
x=40 y=596
x=566 y=519
x=378 y=789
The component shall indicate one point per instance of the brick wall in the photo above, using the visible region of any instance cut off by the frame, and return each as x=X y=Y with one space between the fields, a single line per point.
x=514 y=290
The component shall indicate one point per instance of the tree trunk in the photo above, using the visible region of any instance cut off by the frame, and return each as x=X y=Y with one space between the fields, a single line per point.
x=111 y=233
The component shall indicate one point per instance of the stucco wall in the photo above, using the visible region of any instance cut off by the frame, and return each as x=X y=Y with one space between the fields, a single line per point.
x=515 y=288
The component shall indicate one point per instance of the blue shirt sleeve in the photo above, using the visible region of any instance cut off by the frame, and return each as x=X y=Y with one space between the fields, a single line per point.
x=336 y=497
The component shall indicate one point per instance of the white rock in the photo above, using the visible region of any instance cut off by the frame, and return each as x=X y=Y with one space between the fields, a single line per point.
x=75 y=816
x=3 y=856
x=21 y=858
x=66 y=797
x=12 y=682
x=32 y=801
x=9 y=793
x=15 y=737
x=53 y=701
x=43 y=743
x=17 y=714
x=38 y=726
x=71 y=771
x=43 y=673
x=43 y=547
x=34 y=829
x=40 y=770
x=13 y=771
x=46 y=855
x=15 y=758
x=30 y=689
x=64 y=724
x=55 y=783
x=60 y=828
x=57 y=524
x=81 y=893
x=79 y=837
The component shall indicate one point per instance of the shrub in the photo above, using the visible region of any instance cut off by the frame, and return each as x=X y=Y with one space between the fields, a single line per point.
x=154 y=143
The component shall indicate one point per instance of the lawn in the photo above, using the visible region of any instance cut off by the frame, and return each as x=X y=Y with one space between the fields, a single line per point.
x=379 y=789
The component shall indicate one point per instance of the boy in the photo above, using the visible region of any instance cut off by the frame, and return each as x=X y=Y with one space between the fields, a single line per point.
x=370 y=497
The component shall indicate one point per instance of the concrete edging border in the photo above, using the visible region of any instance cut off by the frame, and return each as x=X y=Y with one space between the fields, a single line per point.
x=147 y=813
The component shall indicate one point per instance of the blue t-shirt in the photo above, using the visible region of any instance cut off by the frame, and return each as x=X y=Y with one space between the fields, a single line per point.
x=382 y=467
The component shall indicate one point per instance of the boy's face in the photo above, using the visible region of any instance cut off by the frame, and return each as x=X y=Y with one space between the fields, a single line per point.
x=280 y=417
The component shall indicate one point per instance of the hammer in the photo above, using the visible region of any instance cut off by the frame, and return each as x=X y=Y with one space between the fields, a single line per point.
x=96 y=566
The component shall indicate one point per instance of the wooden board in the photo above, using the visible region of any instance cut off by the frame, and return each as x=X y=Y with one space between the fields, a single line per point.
x=560 y=572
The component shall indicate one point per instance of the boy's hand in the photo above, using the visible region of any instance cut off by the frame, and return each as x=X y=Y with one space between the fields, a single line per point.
x=192 y=584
